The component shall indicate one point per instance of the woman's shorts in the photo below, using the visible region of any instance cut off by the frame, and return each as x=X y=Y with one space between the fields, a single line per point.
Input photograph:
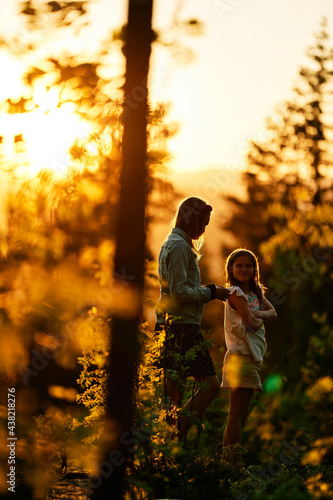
x=186 y=351
x=241 y=371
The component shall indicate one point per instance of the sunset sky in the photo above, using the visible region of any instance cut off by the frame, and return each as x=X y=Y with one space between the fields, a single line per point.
x=246 y=62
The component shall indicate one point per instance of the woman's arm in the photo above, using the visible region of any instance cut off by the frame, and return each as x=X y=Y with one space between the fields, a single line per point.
x=240 y=304
x=266 y=311
x=177 y=270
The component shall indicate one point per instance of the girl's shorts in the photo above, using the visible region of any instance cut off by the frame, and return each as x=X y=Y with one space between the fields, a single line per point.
x=186 y=352
x=241 y=371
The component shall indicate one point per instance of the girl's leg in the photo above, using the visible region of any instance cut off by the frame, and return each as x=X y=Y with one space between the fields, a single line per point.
x=238 y=411
x=199 y=402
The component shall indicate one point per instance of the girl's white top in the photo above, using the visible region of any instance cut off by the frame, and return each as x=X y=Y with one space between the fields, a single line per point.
x=238 y=338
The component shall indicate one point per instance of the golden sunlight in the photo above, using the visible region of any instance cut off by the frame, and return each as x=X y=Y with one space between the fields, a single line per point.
x=41 y=139
x=49 y=137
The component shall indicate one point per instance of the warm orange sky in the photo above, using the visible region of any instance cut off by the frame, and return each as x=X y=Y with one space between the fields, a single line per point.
x=246 y=62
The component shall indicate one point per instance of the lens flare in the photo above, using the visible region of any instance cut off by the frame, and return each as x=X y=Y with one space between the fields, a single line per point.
x=273 y=383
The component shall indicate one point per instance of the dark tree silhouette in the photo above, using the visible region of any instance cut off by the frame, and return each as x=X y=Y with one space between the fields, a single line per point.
x=130 y=249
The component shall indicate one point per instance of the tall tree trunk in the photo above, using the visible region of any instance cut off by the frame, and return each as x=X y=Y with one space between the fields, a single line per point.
x=129 y=257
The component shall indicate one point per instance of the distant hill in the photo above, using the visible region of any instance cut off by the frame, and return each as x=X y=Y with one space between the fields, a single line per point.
x=208 y=184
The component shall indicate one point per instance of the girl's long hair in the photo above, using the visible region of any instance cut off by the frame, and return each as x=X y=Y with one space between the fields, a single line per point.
x=190 y=211
x=254 y=284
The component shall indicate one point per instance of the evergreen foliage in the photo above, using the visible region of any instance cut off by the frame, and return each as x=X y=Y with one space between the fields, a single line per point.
x=291 y=171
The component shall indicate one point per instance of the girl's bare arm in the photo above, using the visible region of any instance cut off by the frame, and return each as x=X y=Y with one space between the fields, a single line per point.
x=240 y=304
x=267 y=312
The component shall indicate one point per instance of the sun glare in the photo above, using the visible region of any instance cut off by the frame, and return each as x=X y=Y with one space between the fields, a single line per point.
x=42 y=137
x=48 y=139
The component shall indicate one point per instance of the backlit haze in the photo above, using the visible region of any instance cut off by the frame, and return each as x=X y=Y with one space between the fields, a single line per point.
x=246 y=62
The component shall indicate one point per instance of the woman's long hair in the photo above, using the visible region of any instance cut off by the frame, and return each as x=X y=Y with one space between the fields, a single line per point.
x=254 y=284
x=190 y=212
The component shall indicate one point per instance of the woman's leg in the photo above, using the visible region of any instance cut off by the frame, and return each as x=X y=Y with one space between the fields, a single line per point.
x=238 y=410
x=173 y=392
x=199 y=402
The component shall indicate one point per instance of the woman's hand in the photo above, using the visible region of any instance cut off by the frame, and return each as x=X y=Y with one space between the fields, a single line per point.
x=222 y=293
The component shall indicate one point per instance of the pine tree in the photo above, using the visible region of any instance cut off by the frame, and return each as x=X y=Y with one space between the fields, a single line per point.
x=292 y=167
x=296 y=159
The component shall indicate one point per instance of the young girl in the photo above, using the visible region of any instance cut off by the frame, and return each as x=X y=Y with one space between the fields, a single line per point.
x=245 y=312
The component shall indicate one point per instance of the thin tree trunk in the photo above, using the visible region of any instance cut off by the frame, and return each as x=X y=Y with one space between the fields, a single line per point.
x=129 y=257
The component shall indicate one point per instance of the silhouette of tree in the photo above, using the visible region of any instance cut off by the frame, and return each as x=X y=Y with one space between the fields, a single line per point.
x=130 y=247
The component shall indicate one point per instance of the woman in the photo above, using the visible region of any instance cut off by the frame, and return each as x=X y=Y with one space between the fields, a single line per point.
x=180 y=308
